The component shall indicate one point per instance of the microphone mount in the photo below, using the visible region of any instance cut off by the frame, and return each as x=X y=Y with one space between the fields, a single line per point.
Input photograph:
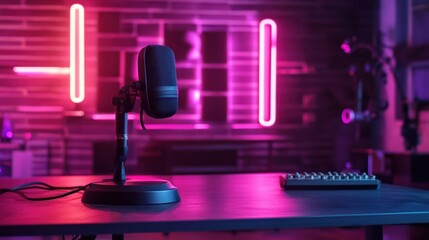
x=124 y=104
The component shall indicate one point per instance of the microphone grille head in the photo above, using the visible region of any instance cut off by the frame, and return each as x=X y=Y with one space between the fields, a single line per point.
x=157 y=74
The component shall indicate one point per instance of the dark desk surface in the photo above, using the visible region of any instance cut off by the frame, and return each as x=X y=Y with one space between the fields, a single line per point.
x=213 y=202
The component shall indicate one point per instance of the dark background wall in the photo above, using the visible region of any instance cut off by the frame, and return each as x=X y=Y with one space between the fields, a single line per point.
x=218 y=132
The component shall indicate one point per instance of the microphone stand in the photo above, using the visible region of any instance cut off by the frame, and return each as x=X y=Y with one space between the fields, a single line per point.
x=124 y=104
x=119 y=190
x=121 y=147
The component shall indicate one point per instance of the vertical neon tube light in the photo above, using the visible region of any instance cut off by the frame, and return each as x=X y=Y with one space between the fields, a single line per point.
x=77 y=51
x=267 y=72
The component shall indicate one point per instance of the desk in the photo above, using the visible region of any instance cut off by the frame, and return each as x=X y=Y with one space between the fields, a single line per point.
x=214 y=203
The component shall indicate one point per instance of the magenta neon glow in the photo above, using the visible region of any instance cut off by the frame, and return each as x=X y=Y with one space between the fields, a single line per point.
x=346 y=47
x=195 y=96
x=267 y=72
x=42 y=70
x=27 y=136
x=111 y=116
x=39 y=109
x=9 y=134
x=177 y=126
x=245 y=126
x=347 y=116
x=77 y=53
x=74 y=113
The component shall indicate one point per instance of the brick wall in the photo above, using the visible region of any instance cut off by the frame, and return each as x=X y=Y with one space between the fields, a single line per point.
x=313 y=86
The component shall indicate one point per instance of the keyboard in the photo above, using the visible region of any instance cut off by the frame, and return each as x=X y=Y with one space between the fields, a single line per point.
x=329 y=180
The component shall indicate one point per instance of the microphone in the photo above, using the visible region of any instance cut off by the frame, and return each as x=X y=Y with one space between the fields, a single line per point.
x=157 y=87
x=157 y=76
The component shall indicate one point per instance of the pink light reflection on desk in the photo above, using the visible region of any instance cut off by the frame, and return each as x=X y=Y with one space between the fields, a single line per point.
x=262 y=194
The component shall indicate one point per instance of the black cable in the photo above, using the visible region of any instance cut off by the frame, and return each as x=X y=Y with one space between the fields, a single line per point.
x=25 y=196
x=141 y=119
x=43 y=185
x=40 y=185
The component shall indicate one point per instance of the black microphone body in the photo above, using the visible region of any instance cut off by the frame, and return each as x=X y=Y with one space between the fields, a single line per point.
x=157 y=76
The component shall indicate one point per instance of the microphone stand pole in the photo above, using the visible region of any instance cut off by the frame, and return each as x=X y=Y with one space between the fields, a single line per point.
x=124 y=104
x=121 y=147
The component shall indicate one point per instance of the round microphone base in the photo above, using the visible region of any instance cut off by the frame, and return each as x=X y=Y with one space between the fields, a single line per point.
x=132 y=192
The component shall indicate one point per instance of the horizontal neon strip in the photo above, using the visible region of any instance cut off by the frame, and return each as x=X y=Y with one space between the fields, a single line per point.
x=245 y=126
x=39 y=109
x=111 y=116
x=74 y=113
x=42 y=70
x=177 y=126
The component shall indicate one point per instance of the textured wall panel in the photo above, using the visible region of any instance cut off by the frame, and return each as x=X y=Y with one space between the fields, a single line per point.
x=35 y=33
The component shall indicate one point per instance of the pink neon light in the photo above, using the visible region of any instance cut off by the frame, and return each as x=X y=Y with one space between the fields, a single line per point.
x=347 y=116
x=346 y=48
x=74 y=113
x=42 y=70
x=27 y=136
x=196 y=96
x=245 y=126
x=39 y=109
x=267 y=72
x=111 y=116
x=177 y=126
x=9 y=134
x=77 y=56
x=104 y=117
